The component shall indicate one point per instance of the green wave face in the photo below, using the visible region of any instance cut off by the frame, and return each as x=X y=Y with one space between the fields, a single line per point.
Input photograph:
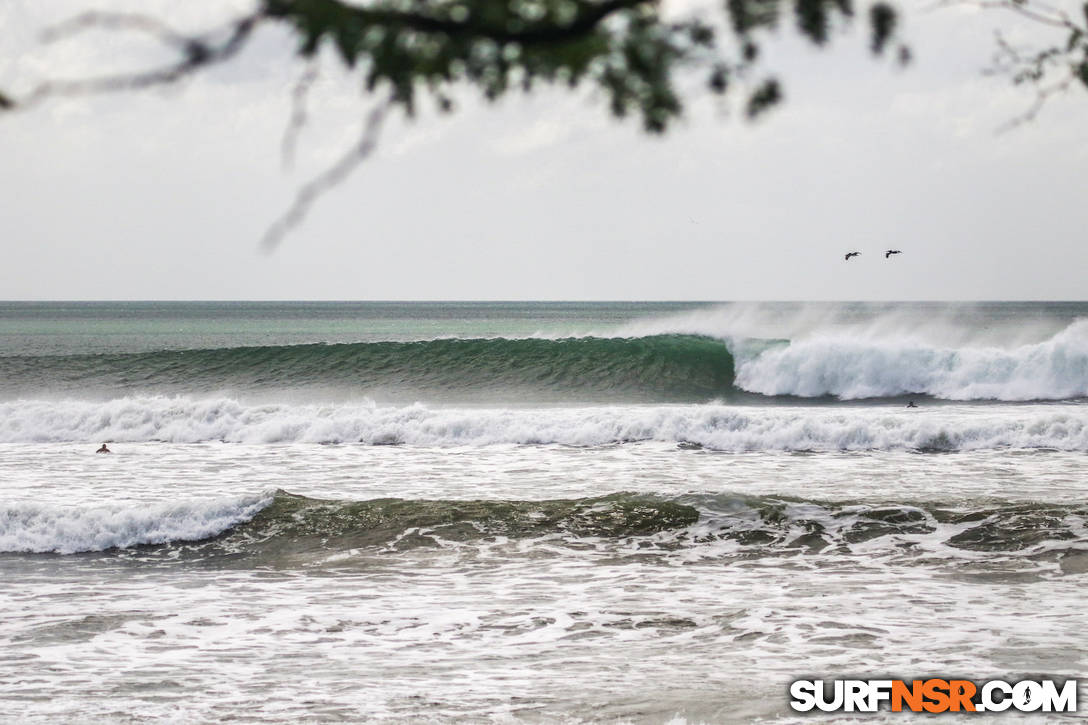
x=405 y=523
x=658 y=368
x=299 y=532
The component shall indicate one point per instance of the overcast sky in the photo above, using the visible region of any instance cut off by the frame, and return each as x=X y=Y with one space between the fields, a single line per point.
x=165 y=194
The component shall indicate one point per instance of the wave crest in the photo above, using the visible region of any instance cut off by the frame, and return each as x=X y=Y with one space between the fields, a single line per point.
x=285 y=529
x=37 y=528
x=850 y=368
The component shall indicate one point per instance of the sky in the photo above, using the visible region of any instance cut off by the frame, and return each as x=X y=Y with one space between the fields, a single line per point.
x=165 y=194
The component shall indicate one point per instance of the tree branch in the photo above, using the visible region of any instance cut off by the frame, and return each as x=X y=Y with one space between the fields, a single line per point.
x=97 y=19
x=621 y=46
x=587 y=16
x=329 y=178
x=1042 y=95
x=298 y=112
x=197 y=53
x=1025 y=8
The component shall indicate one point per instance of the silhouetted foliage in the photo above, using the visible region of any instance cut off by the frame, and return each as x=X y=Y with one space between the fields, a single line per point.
x=412 y=47
x=405 y=49
x=1049 y=68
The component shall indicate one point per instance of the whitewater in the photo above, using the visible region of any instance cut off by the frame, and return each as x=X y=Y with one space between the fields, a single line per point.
x=531 y=512
x=713 y=426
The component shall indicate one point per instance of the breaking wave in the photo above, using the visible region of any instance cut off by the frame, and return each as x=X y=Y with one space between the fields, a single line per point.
x=667 y=367
x=852 y=368
x=687 y=359
x=281 y=527
x=37 y=528
x=717 y=427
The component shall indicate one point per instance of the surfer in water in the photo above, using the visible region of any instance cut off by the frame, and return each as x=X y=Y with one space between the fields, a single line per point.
x=103 y=449
x=910 y=404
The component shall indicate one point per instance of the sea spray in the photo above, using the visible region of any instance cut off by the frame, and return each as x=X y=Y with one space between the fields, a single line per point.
x=849 y=368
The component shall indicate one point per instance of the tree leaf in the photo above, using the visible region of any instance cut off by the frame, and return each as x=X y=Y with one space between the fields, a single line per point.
x=763 y=98
x=882 y=21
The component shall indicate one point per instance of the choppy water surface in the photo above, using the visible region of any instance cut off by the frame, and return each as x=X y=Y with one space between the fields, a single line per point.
x=612 y=545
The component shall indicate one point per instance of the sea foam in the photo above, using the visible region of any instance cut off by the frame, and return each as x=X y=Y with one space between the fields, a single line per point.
x=715 y=426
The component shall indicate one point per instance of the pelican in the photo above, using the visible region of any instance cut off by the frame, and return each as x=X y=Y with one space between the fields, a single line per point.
x=890 y=252
x=851 y=254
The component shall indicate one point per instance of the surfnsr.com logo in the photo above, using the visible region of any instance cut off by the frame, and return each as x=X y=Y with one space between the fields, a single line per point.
x=933 y=695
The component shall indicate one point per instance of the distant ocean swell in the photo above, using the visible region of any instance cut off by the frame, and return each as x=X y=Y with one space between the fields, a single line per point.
x=712 y=426
x=286 y=526
x=654 y=368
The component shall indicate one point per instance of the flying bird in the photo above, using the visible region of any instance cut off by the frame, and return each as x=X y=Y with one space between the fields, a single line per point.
x=890 y=252
x=851 y=254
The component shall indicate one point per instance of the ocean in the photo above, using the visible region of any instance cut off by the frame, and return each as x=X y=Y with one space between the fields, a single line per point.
x=532 y=512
